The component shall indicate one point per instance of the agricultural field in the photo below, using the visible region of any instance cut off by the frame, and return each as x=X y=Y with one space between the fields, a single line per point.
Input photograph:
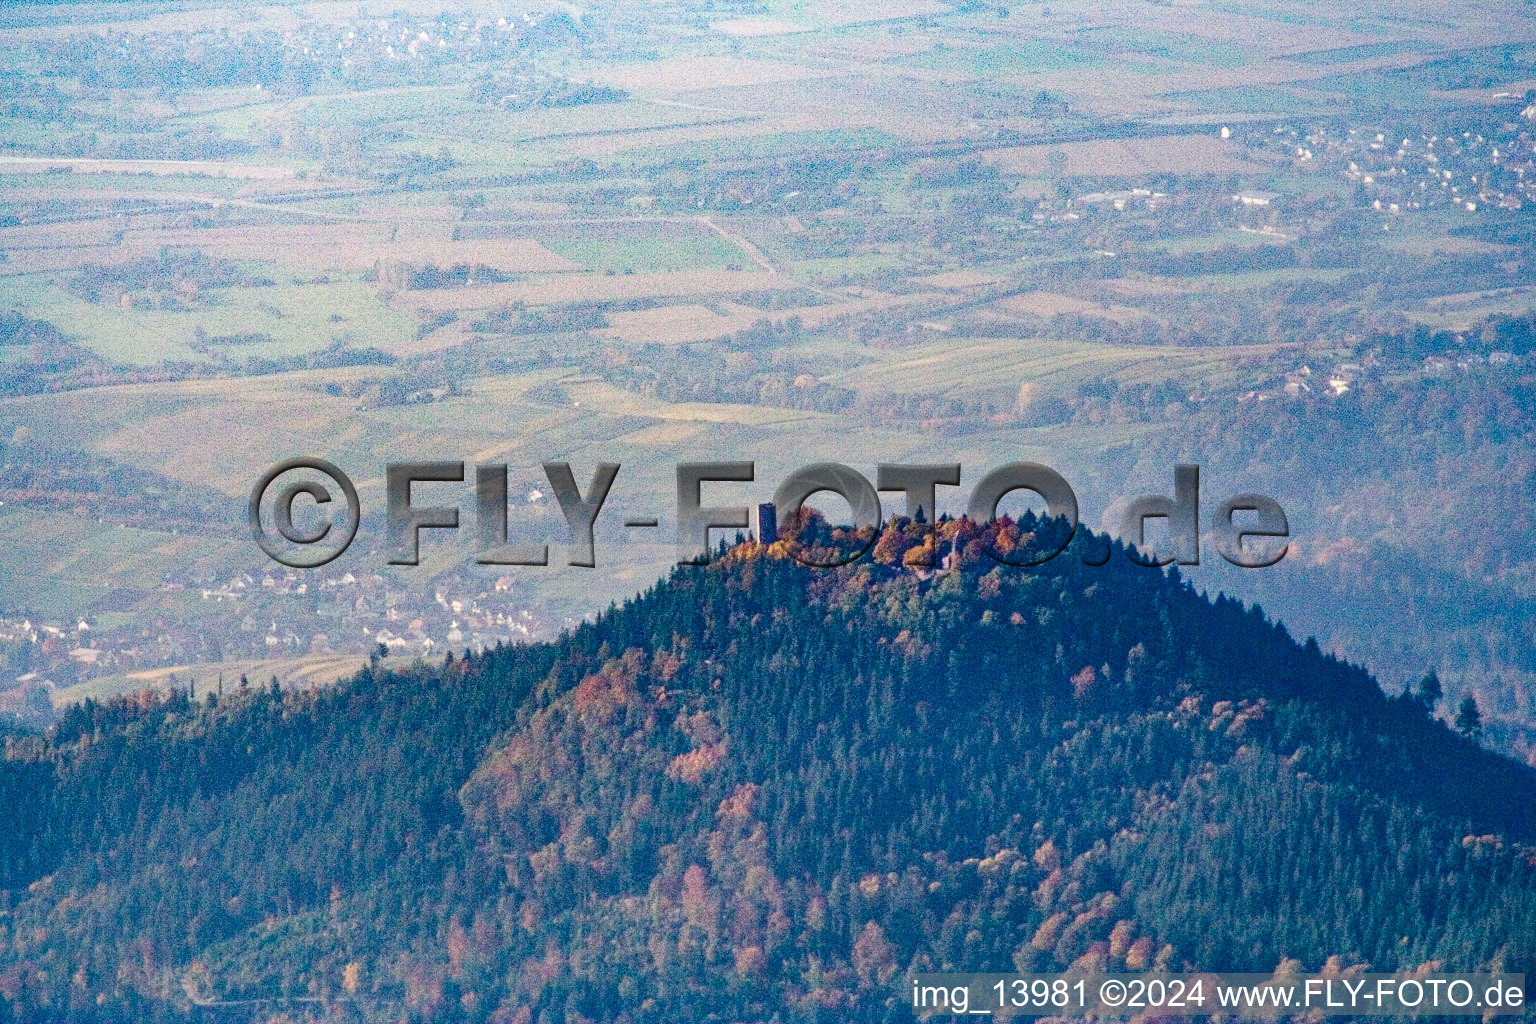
x=216 y=677
x=1135 y=158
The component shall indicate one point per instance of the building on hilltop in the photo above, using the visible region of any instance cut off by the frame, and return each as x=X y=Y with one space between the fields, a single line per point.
x=767 y=523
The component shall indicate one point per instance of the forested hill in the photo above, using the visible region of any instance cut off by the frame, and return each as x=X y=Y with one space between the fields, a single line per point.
x=762 y=791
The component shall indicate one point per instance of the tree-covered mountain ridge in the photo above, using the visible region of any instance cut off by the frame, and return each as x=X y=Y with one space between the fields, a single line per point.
x=765 y=791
